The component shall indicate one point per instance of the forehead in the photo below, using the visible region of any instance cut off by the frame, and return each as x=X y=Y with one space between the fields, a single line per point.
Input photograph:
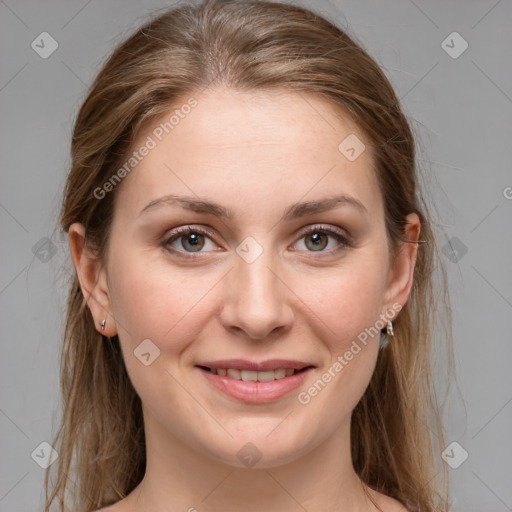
x=226 y=118
x=250 y=146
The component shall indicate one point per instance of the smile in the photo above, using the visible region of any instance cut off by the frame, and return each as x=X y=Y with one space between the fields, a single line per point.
x=253 y=376
x=252 y=387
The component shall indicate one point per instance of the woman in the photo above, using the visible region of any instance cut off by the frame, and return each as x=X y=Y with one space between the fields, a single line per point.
x=249 y=326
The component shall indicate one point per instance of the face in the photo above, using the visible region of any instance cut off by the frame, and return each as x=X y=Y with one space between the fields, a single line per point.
x=267 y=281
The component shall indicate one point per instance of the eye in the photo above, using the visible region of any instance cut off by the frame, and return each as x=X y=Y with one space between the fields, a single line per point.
x=187 y=240
x=316 y=239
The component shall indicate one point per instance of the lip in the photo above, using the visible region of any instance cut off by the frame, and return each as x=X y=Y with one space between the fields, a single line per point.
x=263 y=366
x=256 y=392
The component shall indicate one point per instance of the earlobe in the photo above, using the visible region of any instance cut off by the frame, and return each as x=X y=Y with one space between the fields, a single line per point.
x=93 y=280
x=401 y=273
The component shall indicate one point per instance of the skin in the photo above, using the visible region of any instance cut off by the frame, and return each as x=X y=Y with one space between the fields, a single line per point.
x=256 y=153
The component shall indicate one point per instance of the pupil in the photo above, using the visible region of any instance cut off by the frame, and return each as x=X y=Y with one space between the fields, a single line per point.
x=192 y=241
x=316 y=239
x=194 y=237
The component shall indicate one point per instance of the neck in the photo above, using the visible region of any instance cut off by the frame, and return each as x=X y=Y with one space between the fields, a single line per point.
x=179 y=477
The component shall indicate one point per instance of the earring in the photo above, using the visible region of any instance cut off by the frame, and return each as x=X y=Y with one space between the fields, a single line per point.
x=102 y=324
x=389 y=329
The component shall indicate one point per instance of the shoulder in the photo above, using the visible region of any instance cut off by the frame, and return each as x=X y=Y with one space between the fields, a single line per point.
x=123 y=505
x=387 y=503
x=111 y=508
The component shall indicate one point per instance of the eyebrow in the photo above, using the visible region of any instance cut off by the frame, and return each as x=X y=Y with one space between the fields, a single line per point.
x=294 y=211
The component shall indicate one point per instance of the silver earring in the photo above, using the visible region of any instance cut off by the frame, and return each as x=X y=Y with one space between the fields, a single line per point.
x=102 y=324
x=389 y=329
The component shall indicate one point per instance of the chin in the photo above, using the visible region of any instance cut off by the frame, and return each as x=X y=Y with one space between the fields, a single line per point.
x=261 y=450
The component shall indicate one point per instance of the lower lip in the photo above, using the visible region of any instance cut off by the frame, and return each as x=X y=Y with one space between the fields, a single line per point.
x=256 y=392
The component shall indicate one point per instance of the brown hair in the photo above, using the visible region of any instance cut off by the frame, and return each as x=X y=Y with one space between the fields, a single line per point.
x=247 y=46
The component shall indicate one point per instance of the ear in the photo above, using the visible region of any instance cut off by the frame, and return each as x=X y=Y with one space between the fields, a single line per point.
x=401 y=272
x=93 y=280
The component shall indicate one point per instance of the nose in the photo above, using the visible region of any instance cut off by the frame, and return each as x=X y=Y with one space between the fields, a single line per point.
x=257 y=299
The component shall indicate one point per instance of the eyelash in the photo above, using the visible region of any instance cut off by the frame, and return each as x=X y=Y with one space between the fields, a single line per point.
x=187 y=230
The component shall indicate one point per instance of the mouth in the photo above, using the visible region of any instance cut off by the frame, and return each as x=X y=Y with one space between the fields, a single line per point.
x=254 y=376
x=252 y=382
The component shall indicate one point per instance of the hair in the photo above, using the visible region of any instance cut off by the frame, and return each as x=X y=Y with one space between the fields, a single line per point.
x=246 y=46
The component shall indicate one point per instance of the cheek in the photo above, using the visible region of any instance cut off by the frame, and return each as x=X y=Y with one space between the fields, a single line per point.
x=152 y=301
x=346 y=301
x=349 y=305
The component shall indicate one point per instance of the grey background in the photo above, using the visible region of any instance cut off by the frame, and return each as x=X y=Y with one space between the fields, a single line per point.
x=460 y=108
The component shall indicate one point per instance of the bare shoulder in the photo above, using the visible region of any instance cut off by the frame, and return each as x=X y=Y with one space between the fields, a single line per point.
x=116 y=507
x=396 y=506
x=387 y=503
x=123 y=505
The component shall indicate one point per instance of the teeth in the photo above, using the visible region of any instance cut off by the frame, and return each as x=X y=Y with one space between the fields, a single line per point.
x=249 y=376
x=234 y=374
x=252 y=376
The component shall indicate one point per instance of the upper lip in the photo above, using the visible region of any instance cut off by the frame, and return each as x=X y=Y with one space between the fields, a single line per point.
x=244 y=364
